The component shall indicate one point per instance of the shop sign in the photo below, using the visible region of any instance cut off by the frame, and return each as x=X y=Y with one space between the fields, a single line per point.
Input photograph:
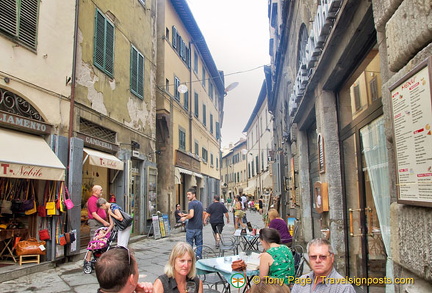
x=97 y=143
x=321 y=28
x=23 y=124
x=412 y=111
x=30 y=172
x=321 y=153
x=188 y=162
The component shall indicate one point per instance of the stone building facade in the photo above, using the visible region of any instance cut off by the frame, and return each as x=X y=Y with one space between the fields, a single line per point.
x=189 y=106
x=335 y=66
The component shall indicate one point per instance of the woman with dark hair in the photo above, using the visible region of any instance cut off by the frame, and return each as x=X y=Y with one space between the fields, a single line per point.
x=277 y=261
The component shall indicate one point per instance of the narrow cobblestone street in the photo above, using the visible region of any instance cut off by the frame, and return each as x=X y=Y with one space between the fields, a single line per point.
x=151 y=254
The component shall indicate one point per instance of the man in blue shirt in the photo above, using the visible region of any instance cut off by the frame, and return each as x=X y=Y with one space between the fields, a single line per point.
x=194 y=226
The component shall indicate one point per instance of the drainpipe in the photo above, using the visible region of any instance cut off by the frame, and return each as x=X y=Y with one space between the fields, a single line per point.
x=73 y=83
x=190 y=100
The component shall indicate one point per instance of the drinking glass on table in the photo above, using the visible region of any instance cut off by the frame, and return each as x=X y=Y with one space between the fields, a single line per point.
x=190 y=287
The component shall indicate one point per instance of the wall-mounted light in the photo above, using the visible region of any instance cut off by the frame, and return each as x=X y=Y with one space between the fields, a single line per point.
x=135 y=145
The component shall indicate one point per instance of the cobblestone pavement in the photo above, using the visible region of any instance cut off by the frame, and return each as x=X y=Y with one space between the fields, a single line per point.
x=151 y=254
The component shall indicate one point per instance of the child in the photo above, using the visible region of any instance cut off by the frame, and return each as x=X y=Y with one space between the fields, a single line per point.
x=100 y=240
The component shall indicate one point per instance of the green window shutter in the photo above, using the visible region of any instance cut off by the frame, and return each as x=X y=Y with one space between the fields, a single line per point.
x=28 y=22
x=134 y=73
x=9 y=17
x=104 y=44
x=174 y=36
x=140 y=75
x=109 y=49
x=99 y=41
x=196 y=103
x=19 y=18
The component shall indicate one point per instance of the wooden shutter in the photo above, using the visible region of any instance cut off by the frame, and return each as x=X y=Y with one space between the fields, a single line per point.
x=28 y=22
x=104 y=44
x=9 y=17
x=99 y=40
x=140 y=75
x=109 y=48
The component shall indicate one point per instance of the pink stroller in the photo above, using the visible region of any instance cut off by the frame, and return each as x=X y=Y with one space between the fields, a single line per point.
x=100 y=243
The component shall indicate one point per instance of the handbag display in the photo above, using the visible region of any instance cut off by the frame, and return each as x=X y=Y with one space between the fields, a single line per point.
x=68 y=202
x=127 y=221
x=32 y=210
x=62 y=240
x=30 y=246
x=44 y=234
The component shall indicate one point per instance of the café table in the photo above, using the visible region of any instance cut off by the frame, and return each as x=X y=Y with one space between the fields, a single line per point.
x=249 y=241
x=222 y=266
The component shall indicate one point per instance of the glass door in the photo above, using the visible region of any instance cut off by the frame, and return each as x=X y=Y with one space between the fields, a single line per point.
x=365 y=171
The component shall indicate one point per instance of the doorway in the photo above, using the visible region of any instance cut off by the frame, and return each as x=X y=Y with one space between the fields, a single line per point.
x=367 y=253
x=366 y=174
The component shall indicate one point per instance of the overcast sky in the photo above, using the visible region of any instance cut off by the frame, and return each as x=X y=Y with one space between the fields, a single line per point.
x=236 y=32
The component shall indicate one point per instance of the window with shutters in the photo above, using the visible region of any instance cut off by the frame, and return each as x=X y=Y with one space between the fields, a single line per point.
x=182 y=139
x=196 y=148
x=211 y=123
x=103 y=57
x=186 y=100
x=19 y=20
x=203 y=78
x=204 y=110
x=196 y=105
x=195 y=62
x=137 y=73
x=176 y=85
x=217 y=130
x=204 y=155
x=174 y=37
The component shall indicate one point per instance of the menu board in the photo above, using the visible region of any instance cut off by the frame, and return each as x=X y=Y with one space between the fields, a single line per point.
x=412 y=121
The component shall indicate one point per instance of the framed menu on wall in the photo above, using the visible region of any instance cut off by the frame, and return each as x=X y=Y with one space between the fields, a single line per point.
x=411 y=102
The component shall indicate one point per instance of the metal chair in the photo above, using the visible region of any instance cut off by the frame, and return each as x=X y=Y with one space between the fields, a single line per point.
x=226 y=244
x=212 y=280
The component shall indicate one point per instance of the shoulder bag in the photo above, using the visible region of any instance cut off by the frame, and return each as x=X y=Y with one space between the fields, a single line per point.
x=127 y=221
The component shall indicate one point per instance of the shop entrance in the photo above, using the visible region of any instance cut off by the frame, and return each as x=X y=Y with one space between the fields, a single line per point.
x=366 y=174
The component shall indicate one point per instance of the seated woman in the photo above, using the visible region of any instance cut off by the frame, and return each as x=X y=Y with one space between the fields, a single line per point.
x=277 y=261
x=180 y=272
x=279 y=224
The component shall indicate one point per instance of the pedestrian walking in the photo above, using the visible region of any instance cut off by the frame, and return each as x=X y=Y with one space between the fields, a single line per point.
x=216 y=211
x=194 y=225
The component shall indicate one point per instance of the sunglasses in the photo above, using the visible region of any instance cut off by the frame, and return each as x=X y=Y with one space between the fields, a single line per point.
x=320 y=257
x=128 y=251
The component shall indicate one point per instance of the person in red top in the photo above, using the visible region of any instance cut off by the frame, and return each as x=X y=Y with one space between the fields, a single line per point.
x=96 y=217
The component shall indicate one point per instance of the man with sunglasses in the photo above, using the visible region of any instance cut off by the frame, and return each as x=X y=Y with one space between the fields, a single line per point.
x=117 y=271
x=324 y=277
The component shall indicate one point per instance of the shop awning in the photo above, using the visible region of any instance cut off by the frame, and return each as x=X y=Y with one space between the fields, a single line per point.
x=267 y=180
x=100 y=159
x=184 y=171
x=250 y=189
x=28 y=156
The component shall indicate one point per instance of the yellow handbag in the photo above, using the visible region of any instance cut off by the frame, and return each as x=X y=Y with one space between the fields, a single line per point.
x=50 y=204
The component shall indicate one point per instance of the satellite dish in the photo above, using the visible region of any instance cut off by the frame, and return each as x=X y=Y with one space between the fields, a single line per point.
x=182 y=88
x=231 y=86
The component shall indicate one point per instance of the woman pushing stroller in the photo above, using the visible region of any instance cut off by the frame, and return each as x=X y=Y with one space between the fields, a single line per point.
x=120 y=219
x=119 y=222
